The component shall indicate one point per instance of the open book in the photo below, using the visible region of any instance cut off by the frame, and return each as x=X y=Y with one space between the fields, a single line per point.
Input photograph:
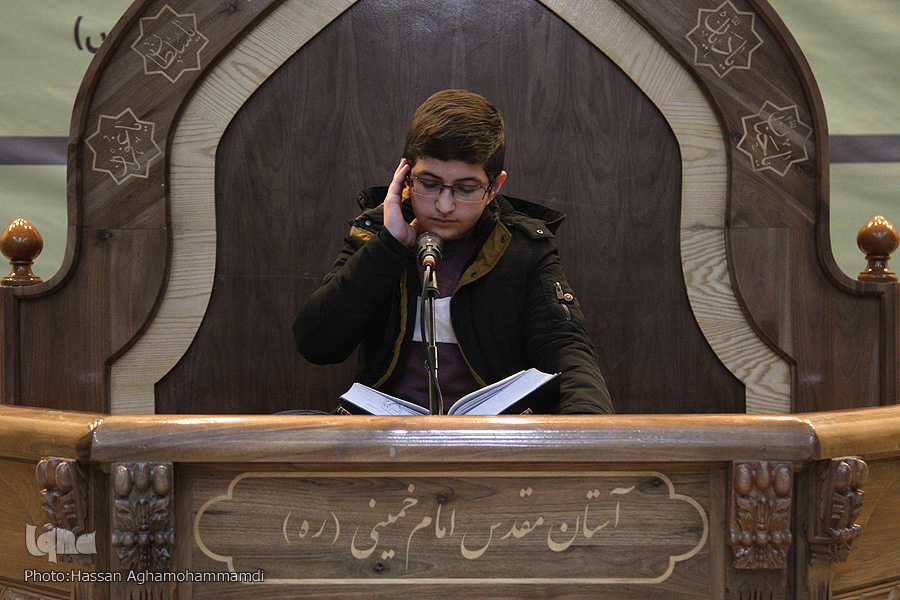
x=490 y=400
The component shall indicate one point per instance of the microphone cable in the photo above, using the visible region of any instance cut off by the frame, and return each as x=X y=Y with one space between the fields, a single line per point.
x=429 y=359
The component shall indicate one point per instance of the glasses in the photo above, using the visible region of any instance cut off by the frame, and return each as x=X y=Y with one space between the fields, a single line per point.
x=461 y=192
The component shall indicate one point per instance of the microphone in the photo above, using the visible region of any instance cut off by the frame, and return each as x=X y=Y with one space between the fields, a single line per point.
x=429 y=249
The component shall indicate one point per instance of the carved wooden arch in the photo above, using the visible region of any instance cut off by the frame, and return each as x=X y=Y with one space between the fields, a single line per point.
x=753 y=230
x=192 y=194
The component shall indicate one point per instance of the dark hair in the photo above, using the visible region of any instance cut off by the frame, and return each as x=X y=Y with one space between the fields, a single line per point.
x=457 y=125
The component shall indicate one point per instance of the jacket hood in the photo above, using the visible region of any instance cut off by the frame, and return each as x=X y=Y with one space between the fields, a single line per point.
x=550 y=217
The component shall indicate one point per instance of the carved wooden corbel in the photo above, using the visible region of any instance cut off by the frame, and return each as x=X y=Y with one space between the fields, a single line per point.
x=760 y=514
x=839 y=499
x=143 y=530
x=65 y=500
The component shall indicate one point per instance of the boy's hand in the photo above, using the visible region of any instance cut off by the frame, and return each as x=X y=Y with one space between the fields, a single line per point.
x=403 y=232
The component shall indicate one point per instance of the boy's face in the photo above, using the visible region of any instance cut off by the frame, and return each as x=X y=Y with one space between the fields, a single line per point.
x=445 y=215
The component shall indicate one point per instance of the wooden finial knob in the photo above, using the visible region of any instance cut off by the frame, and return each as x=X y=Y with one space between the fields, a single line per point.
x=878 y=239
x=21 y=244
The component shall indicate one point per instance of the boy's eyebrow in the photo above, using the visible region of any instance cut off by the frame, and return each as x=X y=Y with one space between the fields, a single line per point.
x=433 y=176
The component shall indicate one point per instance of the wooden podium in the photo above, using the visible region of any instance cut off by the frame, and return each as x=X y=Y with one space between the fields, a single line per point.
x=215 y=152
x=650 y=506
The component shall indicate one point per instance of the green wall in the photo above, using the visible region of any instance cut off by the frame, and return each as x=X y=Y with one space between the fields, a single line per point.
x=853 y=47
x=42 y=63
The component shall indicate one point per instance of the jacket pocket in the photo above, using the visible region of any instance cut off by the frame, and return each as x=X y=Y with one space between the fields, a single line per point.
x=560 y=300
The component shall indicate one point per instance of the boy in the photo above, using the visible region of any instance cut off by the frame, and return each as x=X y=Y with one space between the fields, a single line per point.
x=504 y=304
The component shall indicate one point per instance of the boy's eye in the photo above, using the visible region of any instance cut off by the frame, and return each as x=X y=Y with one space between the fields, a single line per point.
x=429 y=185
x=466 y=190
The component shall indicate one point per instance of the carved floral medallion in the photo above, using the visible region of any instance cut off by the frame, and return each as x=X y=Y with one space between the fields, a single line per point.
x=143 y=521
x=65 y=501
x=840 y=498
x=761 y=514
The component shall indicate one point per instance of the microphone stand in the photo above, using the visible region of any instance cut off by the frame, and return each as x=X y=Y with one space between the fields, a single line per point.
x=429 y=293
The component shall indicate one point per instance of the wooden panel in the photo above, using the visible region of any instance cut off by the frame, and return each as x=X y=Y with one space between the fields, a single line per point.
x=457 y=533
x=888 y=591
x=610 y=29
x=246 y=482
x=72 y=326
x=767 y=376
x=20 y=499
x=192 y=209
x=63 y=351
x=837 y=366
x=617 y=438
x=863 y=432
x=286 y=187
x=26 y=436
x=70 y=330
x=781 y=266
x=876 y=554
x=16 y=593
x=31 y=434
x=703 y=201
x=265 y=376
x=451 y=440
x=9 y=359
x=768 y=73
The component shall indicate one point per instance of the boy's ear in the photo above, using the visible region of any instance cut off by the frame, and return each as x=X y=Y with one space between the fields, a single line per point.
x=498 y=183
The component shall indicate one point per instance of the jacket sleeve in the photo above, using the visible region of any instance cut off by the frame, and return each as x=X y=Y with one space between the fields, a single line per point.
x=333 y=320
x=557 y=341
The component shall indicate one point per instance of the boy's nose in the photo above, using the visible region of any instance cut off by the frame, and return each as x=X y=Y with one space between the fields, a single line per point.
x=445 y=201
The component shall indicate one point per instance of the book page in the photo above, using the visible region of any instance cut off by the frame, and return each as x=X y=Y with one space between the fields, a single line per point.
x=497 y=397
x=378 y=403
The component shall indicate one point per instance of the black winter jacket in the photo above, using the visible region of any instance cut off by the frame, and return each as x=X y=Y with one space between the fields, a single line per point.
x=513 y=308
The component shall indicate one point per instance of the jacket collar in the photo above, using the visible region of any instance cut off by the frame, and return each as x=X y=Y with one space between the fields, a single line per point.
x=524 y=214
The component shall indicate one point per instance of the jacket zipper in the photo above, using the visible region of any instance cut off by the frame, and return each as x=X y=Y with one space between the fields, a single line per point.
x=563 y=300
x=404 y=315
x=505 y=236
x=404 y=291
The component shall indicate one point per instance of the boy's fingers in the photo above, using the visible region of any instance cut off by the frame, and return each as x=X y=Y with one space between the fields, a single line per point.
x=399 y=176
x=393 y=214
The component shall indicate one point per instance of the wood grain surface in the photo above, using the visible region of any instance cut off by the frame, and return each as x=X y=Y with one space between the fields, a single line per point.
x=779 y=220
x=601 y=532
x=71 y=327
x=193 y=205
x=31 y=434
x=293 y=158
x=454 y=440
x=876 y=555
x=625 y=438
x=244 y=482
x=601 y=126
x=20 y=499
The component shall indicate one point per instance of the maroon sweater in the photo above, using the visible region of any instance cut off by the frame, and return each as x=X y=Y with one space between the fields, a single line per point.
x=453 y=373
